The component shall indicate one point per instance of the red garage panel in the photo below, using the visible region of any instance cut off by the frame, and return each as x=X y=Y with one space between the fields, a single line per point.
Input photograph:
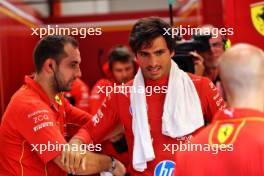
x=238 y=15
x=16 y=46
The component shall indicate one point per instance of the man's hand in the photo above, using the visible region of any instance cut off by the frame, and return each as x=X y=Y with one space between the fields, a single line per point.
x=73 y=156
x=120 y=169
x=198 y=63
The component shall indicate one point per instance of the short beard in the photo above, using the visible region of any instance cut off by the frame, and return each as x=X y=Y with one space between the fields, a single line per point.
x=58 y=85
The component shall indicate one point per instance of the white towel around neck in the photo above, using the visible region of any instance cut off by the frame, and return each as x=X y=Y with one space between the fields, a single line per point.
x=182 y=114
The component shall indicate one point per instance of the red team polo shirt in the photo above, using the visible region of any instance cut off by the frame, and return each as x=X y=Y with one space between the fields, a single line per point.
x=117 y=109
x=242 y=130
x=31 y=119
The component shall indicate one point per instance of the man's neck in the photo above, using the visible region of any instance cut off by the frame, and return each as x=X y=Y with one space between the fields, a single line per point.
x=45 y=85
x=251 y=102
x=211 y=72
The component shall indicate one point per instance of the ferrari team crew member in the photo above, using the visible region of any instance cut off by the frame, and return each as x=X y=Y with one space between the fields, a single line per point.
x=212 y=57
x=151 y=117
x=122 y=67
x=33 y=126
x=236 y=133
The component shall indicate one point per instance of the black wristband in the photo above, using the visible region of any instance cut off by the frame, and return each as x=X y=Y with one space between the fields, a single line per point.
x=113 y=164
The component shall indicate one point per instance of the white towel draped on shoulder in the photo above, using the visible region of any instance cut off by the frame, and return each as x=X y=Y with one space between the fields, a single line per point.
x=182 y=114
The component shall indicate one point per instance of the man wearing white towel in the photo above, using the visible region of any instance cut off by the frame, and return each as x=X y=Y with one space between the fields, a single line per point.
x=171 y=106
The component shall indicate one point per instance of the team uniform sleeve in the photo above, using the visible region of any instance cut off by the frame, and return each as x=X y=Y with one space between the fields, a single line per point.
x=75 y=119
x=76 y=115
x=212 y=101
x=38 y=126
x=102 y=123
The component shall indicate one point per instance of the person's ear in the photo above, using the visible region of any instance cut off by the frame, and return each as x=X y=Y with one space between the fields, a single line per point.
x=49 y=66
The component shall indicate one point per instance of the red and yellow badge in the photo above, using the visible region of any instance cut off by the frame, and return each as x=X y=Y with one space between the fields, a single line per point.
x=225 y=132
x=58 y=100
x=257 y=16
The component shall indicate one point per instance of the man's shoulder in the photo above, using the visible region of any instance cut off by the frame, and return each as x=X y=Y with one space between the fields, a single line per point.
x=25 y=99
x=103 y=82
x=198 y=79
x=201 y=82
x=79 y=84
x=121 y=92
